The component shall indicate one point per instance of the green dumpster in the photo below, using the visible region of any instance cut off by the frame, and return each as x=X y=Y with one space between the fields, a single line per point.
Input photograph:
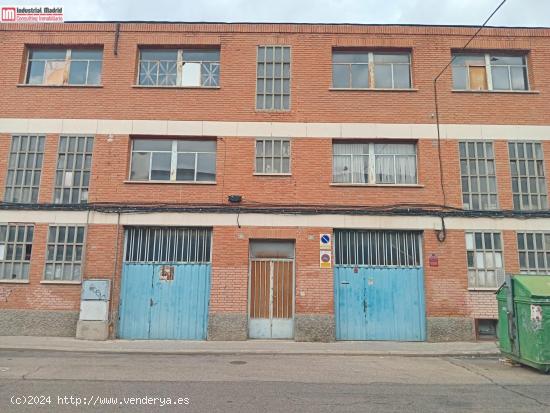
x=524 y=320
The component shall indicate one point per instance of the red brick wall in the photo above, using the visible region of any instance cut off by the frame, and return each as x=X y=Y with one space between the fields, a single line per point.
x=312 y=99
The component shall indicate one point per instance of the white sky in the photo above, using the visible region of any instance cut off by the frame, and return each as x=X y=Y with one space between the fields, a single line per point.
x=470 y=12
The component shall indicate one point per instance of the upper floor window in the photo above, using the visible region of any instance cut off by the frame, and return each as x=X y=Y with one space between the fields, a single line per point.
x=179 y=67
x=272 y=156
x=72 y=176
x=528 y=180
x=273 y=78
x=489 y=72
x=177 y=160
x=64 y=67
x=374 y=163
x=24 y=169
x=371 y=70
x=477 y=169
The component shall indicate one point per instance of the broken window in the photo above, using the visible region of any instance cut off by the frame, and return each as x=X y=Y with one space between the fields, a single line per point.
x=64 y=253
x=273 y=78
x=15 y=251
x=371 y=70
x=534 y=252
x=528 y=179
x=485 y=260
x=478 y=175
x=59 y=67
x=180 y=160
x=272 y=156
x=24 y=169
x=374 y=163
x=489 y=72
x=74 y=163
x=179 y=67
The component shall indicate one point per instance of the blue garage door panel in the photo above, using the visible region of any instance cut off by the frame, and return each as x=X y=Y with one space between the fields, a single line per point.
x=152 y=308
x=373 y=303
x=180 y=307
x=135 y=295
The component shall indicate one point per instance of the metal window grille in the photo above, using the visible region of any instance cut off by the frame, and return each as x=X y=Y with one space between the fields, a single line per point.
x=528 y=180
x=15 y=251
x=534 y=252
x=168 y=245
x=485 y=260
x=179 y=67
x=369 y=70
x=373 y=163
x=378 y=248
x=273 y=78
x=479 y=182
x=272 y=156
x=74 y=162
x=24 y=169
x=64 y=253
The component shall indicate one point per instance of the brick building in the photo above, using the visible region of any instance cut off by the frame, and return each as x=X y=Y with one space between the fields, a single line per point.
x=198 y=166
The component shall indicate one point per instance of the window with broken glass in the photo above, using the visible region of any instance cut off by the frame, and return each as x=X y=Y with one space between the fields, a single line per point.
x=64 y=253
x=24 y=169
x=179 y=67
x=273 y=78
x=490 y=72
x=74 y=162
x=59 y=67
x=528 y=179
x=272 y=156
x=15 y=251
x=374 y=163
x=534 y=252
x=485 y=260
x=178 y=160
x=479 y=182
x=369 y=70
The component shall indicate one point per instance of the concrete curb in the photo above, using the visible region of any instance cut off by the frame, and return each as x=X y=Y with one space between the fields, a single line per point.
x=211 y=352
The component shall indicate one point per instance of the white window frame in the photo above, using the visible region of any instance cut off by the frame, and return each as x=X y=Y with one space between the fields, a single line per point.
x=371 y=66
x=63 y=263
x=179 y=68
x=67 y=69
x=489 y=74
x=541 y=193
x=173 y=162
x=372 y=164
x=475 y=270
x=273 y=157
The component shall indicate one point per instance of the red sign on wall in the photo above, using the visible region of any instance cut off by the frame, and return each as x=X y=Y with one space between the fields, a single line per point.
x=433 y=261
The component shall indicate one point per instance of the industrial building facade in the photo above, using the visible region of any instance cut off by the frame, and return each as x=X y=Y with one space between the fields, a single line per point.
x=241 y=181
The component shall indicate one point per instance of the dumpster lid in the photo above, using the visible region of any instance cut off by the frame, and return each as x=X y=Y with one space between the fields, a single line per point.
x=535 y=285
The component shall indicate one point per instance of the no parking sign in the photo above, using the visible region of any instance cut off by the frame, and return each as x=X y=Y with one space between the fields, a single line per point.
x=325 y=241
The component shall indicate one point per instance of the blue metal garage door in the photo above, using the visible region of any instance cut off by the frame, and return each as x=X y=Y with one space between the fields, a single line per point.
x=165 y=284
x=379 y=286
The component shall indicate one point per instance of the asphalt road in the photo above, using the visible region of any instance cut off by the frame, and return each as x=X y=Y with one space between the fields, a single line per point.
x=259 y=383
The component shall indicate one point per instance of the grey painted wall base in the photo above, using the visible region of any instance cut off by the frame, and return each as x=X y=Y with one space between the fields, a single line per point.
x=450 y=329
x=38 y=323
x=314 y=327
x=92 y=330
x=227 y=327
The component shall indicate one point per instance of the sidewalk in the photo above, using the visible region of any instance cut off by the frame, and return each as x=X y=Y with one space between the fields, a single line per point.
x=348 y=348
